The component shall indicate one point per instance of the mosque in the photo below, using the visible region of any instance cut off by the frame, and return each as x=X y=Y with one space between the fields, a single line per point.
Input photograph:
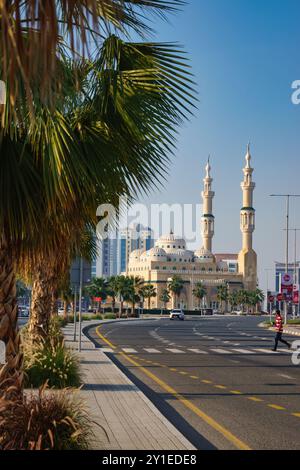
x=170 y=256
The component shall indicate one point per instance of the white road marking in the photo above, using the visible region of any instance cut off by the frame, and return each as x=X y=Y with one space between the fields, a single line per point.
x=221 y=351
x=175 y=351
x=286 y=377
x=198 y=351
x=129 y=350
x=107 y=350
x=265 y=351
x=244 y=351
x=152 y=351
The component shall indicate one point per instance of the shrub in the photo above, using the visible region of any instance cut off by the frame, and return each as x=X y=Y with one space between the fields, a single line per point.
x=49 y=360
x=44 y=421
x=110 y=316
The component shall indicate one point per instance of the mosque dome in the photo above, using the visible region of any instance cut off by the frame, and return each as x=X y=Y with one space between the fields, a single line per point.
x=170 y=243
x=156 y=254
x=204 y=256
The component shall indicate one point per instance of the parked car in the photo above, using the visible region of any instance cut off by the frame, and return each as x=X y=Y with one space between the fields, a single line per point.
x=177 y=314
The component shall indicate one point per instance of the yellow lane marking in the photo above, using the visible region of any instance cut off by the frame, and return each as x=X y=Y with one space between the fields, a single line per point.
x=254 y=399
x=206 y=381
x=296 y=414
x=183 y=373
x=173 y=370
x=104 y=339
x=277 y=407
x=236 y=392
x=221 y=387
x=194 y=377
x=188 y=404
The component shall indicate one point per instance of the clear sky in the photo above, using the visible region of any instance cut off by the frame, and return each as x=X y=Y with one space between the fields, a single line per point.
x=245 y=56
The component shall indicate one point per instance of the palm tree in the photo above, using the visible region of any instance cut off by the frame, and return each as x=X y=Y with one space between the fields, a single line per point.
x=98 y=288
x=74 y=26
x=256 y=298
x=176 y=285
x=199 y=292
x=165 y=298
x=109 y=134
x=112 y=290
x=148 y=292
x=222 y=296
x=233 y=299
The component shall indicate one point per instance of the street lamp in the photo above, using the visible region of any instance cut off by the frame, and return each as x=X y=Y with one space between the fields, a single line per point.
x=288 y=197
x=267 y=270
x=296 y=280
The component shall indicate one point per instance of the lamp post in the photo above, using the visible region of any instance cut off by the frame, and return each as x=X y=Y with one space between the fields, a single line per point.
x=288 y=198
x=267 y=270
x=296 y=280
x=80 y=303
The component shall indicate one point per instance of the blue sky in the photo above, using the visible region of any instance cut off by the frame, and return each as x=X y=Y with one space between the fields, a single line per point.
x=245 y=56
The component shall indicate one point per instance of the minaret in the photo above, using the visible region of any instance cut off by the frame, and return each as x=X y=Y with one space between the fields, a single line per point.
x=248 y=257
x=208 y=220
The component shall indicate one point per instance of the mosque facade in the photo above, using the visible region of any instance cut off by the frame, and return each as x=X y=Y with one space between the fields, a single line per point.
x=170 y=256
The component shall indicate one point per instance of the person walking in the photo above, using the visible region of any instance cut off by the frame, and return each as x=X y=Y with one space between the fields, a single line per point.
x=279 y=331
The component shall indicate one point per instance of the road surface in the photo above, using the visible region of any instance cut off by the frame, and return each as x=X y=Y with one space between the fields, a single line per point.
x=215 y=378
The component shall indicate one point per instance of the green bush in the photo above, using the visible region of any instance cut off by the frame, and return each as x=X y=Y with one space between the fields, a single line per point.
x=110 y=316
x=49 y=360
x=52 y=363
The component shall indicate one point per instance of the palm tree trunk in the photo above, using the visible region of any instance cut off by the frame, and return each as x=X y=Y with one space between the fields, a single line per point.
x=10 y=373
x=41 y=301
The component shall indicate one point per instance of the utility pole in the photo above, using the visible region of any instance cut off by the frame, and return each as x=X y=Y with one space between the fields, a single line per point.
x=288 y=198
x=296 y=280
x=75 y=310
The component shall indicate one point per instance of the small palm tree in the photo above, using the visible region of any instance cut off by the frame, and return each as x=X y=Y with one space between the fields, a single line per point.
x=176 y=285
x=199 y=292
x=98 y=288
x=165 y=298
x=112 y=290
x=222 y=296
x=149 y=292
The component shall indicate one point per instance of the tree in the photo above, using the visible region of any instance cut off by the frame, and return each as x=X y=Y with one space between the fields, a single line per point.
x=98 y=288
x=112 y=290
x=222 y=296
x=176 y=285
x=199 y=292
x=148 y=292
x=110 y=132
x=44 y=29
x=255 y=298
x=165 y=297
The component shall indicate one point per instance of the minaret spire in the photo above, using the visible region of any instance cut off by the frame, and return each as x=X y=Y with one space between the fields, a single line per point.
x=208 y=220
x=247 y=257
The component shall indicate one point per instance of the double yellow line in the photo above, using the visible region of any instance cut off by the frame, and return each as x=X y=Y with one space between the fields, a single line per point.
x=186 y=403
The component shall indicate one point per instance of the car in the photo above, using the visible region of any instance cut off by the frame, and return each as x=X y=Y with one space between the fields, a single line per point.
x=177 y=314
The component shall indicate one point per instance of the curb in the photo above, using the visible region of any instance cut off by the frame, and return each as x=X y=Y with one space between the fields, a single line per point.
x=286 y=331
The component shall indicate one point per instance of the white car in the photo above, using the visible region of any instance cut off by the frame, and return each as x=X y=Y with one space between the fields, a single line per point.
x=177 y=314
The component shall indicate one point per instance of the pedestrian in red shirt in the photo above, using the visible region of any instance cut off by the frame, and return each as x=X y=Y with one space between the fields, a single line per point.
x=279 y=331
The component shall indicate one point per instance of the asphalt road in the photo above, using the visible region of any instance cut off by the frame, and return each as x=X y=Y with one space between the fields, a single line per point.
x=215 y=378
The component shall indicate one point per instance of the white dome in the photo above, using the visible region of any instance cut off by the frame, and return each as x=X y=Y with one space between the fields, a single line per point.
x=157 y=254
x=170 y=243
x=204 y=255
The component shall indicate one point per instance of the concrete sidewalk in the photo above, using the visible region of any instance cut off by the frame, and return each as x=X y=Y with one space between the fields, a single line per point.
x=130 y=420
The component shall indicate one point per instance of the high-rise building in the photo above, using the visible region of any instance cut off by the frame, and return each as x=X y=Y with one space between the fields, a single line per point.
x=114 y=252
